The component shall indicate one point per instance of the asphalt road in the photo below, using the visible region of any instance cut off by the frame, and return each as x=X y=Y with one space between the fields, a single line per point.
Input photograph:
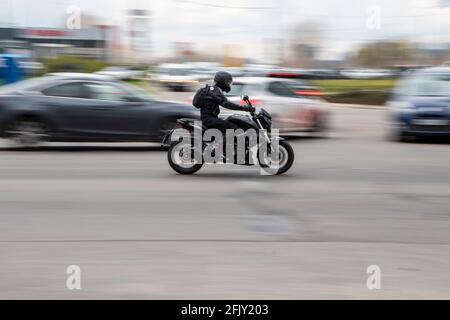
x=138 y=230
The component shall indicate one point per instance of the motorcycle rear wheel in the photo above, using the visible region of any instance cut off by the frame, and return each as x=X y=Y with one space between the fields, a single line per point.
x=178 y=161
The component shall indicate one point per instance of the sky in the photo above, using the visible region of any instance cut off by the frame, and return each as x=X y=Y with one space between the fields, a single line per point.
x=210 y=23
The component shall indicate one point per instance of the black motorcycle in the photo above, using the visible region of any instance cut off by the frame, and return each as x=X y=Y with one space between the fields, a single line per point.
x=181 y=154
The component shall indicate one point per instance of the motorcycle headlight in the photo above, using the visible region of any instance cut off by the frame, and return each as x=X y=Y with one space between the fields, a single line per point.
x=266 y=122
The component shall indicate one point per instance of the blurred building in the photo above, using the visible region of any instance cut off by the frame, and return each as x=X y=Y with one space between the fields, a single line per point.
x=118 y=32
x=184 y=49
x=139 y=30
x=273 y=51
x=304 y=55
x=233 y=55
x=46 y=42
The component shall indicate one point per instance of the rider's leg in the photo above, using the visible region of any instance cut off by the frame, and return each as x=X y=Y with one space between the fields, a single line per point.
x=222 y=125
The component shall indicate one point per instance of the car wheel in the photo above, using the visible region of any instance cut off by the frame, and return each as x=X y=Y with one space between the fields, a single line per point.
x=398 y=136
x=321 y=127
x=26 y=133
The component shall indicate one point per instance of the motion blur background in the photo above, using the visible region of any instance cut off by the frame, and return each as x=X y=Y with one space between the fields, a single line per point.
x=347 y=81
x=321 y=40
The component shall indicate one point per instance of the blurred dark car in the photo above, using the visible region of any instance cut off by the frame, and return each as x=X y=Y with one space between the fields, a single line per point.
x=82 y=108
x=420 y=104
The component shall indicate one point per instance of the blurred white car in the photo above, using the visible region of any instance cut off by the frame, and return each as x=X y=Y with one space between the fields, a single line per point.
x=366 y=73
x=203 y=71
x=295 y=105
x=177 y=77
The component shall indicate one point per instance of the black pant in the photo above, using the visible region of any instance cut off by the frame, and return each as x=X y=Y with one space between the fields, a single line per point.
x=220 y=124
x=217 y=123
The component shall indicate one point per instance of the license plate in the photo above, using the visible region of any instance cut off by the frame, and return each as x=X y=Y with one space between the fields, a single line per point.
x=431 y=122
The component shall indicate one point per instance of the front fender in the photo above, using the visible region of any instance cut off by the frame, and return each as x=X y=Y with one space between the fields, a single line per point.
x=277 y=137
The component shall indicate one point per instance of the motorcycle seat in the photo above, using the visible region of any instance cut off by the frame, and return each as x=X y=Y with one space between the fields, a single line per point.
x=190 y=122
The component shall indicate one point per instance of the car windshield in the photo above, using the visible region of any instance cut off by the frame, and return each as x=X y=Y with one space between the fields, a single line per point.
x=300 y=85
x=430 y=85
x=290 y=89
x=239 y=89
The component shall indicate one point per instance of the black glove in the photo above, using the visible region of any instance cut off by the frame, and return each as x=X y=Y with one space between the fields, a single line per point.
x=249 y=108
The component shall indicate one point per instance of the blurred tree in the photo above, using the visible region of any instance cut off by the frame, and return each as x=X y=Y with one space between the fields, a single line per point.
x=65 y=63
x=386 y=53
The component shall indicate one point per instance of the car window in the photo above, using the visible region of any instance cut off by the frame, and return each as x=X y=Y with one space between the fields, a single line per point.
x=69 y=90
x=108 y=92
x=425 y=85
x=252 y=89
x=298 y=83
x=280 y=89
x=236 y=90
x=138 y=94
x=240 y=89
x=298 y=86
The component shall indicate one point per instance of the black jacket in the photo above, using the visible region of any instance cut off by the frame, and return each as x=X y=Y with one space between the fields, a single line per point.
x=213 y=100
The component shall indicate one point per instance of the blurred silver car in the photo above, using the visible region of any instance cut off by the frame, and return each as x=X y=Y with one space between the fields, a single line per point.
x=295 y=105
x=177 y=77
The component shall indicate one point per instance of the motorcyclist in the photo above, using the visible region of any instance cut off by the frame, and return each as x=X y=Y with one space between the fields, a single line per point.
x=215 y=98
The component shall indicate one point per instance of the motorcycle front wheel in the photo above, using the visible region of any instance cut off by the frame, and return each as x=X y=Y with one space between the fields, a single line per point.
x=181 y=160
x=284 y=161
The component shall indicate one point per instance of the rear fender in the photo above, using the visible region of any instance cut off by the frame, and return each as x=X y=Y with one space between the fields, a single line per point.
x=177 y=134
x=166 y=140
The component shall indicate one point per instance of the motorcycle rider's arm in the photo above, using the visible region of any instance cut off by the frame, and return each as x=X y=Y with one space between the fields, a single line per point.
x=224 y=102
x=232 y=106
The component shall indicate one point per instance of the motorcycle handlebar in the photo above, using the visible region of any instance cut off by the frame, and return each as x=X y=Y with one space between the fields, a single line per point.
x=252 y=109
x=249 y=103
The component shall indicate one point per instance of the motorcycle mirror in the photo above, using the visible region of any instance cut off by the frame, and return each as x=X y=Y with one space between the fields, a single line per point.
x=245 y=98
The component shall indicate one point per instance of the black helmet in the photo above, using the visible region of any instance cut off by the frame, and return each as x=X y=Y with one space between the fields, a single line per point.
x=223 y=80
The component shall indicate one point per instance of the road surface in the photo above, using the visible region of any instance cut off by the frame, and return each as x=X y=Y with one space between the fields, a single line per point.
x=138 y=230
